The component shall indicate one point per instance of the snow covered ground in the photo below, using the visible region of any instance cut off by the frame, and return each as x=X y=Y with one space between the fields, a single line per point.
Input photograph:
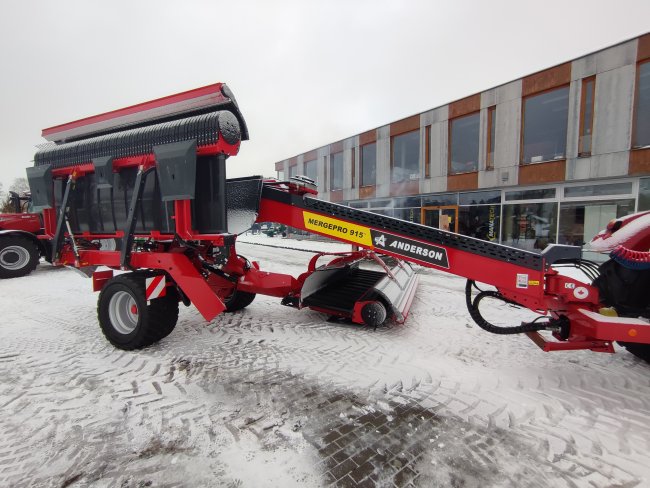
x=272 y=396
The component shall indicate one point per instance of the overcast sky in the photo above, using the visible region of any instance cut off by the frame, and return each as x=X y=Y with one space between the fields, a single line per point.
x=305 y=73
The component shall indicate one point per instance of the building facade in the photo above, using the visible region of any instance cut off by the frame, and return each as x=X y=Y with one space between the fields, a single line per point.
x=548 y=158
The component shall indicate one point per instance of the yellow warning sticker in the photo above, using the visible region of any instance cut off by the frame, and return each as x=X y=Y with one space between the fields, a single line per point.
x=337 y=228
x=533 y=282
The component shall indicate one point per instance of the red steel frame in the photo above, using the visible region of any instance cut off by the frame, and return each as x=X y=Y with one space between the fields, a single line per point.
x=553 y=294
x=207 y=294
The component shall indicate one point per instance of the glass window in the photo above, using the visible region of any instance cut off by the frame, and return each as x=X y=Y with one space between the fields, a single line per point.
x=491 y=132
x=406 y=202
x=381 y=203
x=545 y=126
x=529 y=226
x=311 y=170
x=292 y=171
x=642 y=109
x=410 y=214
x=354 y=169
x=383 y=211
x=538 y=194
x=644 y=194
x=481 y=221
x=406 y=156
x=368 y=164
x=336 y=171
x=463 y=155
x=581 y=221
x=427 y=152
x=478 y=197
x=586 y=116
x=440 y=200
x=359 y=204
x=281 y=175
x=598 y=190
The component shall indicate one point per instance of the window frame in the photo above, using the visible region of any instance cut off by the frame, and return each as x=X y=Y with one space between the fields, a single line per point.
x=332 y=172
x=491 y=137
x=362 y=183
x=392 y=156
x=635 y=115
x=306 y=163
x=634 y=191
x=523 y=124
x=353 y=170
x=449 y=142
x=581 y=128
x=427 y=151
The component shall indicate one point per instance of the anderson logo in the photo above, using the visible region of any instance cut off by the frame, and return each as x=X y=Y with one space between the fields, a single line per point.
x=410 y=248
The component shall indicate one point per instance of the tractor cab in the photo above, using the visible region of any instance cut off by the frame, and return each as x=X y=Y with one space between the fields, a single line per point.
x=20 y=203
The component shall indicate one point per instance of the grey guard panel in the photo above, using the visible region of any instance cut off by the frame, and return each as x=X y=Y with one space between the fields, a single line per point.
x=243 y=202
x=557 y=252
x=103 y=172
x=176 y=169
x=40 y=184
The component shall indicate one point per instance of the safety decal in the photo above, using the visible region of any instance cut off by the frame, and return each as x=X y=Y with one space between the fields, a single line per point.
x=522 y=280
x=410 y=248
x=155 y=287
x=581 y=293
x=337 y=228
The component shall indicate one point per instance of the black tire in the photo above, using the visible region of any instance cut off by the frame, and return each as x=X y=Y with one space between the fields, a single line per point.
x=18 y=256
x=239 y=300
x=374 y=314
x=642 y=351
x=123 y=327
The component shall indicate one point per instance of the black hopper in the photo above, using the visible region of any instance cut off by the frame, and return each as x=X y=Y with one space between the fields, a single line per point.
x=176 y=164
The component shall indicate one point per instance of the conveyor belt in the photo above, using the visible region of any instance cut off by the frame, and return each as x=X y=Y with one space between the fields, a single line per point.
x=341 y=295
x=404 y=228
x=133 y=142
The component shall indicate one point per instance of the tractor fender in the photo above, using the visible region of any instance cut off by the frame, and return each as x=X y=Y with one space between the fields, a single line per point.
x=42 y=244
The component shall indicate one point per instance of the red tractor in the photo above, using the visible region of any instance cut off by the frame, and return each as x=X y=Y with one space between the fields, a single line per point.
x=22 y=239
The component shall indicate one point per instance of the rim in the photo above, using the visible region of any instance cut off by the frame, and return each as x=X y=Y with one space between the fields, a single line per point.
x=14 y=257
x=123 y=312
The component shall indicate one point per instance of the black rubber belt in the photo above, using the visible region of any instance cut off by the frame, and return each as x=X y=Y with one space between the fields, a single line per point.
x=204 y=128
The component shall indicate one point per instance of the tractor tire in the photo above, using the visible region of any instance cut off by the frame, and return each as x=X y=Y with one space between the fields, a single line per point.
x=642 y=351
x=18 y=256
x=127 y=321
x=238 y=301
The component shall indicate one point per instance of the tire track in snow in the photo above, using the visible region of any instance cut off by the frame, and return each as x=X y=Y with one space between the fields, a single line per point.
x=95 y=413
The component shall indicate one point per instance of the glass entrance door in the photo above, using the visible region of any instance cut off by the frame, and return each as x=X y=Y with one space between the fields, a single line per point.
x=444 y=218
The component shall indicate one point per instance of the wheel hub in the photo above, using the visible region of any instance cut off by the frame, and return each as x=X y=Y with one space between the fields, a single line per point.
x=14 y=257
x=123 y=312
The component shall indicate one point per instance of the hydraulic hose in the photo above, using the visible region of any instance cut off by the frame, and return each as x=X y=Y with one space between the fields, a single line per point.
x=473 y=308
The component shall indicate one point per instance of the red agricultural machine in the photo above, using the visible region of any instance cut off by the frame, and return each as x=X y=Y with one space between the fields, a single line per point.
x=152 y=177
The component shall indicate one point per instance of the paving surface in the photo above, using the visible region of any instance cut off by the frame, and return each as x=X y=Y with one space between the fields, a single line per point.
x=271 y=396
